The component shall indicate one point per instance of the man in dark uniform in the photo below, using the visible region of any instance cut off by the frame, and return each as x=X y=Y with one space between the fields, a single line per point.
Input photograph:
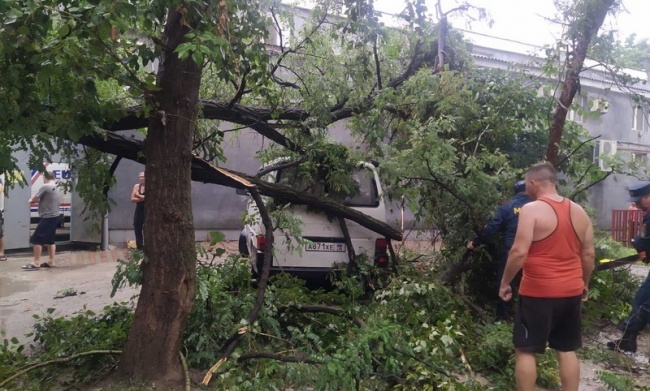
x=505 y=221
x=640 y=314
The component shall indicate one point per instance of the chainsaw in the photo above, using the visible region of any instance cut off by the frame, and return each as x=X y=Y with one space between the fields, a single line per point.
x=607 y=265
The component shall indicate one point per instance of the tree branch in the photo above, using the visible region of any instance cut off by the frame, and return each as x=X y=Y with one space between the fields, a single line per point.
x=300 y=357
x=241 y=88
x=299 y=45
x=204 y=171
x=280 y=166
x=575 y=193
x=377 y=67
x=352 y=258
x=56 y=361
x=559 y=164
x=233 y=341
x=333 y=310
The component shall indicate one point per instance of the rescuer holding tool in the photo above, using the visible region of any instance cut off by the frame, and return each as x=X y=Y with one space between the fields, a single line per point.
x=640 y=314
x=504 y=222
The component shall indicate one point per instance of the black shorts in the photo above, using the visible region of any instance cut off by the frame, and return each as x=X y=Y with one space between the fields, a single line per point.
x=45 y=232
x=2 y=225
x=541 y=320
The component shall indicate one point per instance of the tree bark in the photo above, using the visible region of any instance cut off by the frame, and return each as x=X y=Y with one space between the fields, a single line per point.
x=151 y=352
x=587 y=27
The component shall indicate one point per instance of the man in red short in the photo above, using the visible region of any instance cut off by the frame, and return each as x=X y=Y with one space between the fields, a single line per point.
x=554 y=245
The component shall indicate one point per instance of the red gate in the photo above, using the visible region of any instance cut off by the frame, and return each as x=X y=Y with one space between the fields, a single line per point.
x=626 y=224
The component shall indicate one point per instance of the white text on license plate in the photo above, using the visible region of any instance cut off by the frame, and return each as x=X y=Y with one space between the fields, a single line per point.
x=325 y=247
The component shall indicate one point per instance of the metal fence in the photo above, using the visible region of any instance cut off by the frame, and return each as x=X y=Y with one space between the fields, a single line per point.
x=626 y=224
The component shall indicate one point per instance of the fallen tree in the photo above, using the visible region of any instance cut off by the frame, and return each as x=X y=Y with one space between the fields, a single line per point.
x=204 y=171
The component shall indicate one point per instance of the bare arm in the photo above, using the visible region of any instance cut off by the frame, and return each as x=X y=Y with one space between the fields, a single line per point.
x=519 y=250
x=37 y=197
x=135 y=196
x=587 y=252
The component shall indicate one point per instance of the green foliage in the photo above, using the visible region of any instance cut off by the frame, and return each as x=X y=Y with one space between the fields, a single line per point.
x=129 y=271
x=494 y=357
x=411 y=334
x=224 y=296
x=63 y=337
x=628 y=53
x=408 y=336
x=615 y=382
x=12 y=356
x=456 y=150
x=610 y=291
x=607 y=248
x=69 y=291
x=452 y=143
x=87 y=331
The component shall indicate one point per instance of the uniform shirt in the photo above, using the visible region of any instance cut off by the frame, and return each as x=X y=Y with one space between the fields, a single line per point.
x=553 y=267
x=49 y=200
x=505 y=221
x=642 y=243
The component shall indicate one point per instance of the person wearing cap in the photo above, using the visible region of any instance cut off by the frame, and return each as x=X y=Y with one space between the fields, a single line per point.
x=505 y=222
x=640 y=314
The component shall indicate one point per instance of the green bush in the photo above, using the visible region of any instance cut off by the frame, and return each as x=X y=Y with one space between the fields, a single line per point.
x=493 y=355
x=57 y=338
x=610 y=291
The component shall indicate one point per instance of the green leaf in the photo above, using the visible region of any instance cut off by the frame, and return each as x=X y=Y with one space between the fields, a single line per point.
x=216 y=237
x=197 y=57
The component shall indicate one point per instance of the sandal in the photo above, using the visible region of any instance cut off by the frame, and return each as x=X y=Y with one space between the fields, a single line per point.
x=3 y=258
x=45 y=264
x=30 y=267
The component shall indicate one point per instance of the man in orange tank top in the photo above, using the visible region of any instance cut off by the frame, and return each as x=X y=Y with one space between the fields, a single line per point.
x=554 y=246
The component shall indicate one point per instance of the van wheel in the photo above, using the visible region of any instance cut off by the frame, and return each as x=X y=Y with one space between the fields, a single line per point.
x=243 y=248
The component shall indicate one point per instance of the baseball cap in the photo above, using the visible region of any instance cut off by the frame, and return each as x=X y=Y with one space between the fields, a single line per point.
x=639 y=190
x=520 y=187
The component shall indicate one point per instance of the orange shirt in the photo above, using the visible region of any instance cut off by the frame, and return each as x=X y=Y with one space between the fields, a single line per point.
x=553 y=267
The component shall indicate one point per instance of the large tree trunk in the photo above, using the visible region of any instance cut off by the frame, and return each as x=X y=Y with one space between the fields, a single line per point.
x=586 y=27
x=152 y=349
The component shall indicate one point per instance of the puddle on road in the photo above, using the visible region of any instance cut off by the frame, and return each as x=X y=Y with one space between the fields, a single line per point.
x=10 y=286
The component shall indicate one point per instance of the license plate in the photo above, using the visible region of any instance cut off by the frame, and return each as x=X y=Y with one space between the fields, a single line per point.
x=325 y=247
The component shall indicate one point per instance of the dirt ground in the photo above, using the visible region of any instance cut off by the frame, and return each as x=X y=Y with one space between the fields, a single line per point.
x=24 y=293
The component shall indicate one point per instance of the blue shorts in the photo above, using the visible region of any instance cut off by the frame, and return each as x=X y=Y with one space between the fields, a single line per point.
x=45 y=232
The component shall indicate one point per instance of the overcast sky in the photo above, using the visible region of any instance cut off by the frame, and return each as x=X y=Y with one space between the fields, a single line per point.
x=523 y=20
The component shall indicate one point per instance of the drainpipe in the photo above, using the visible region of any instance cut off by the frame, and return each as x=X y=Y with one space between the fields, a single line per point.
x=104 y=245
x=111 y=171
